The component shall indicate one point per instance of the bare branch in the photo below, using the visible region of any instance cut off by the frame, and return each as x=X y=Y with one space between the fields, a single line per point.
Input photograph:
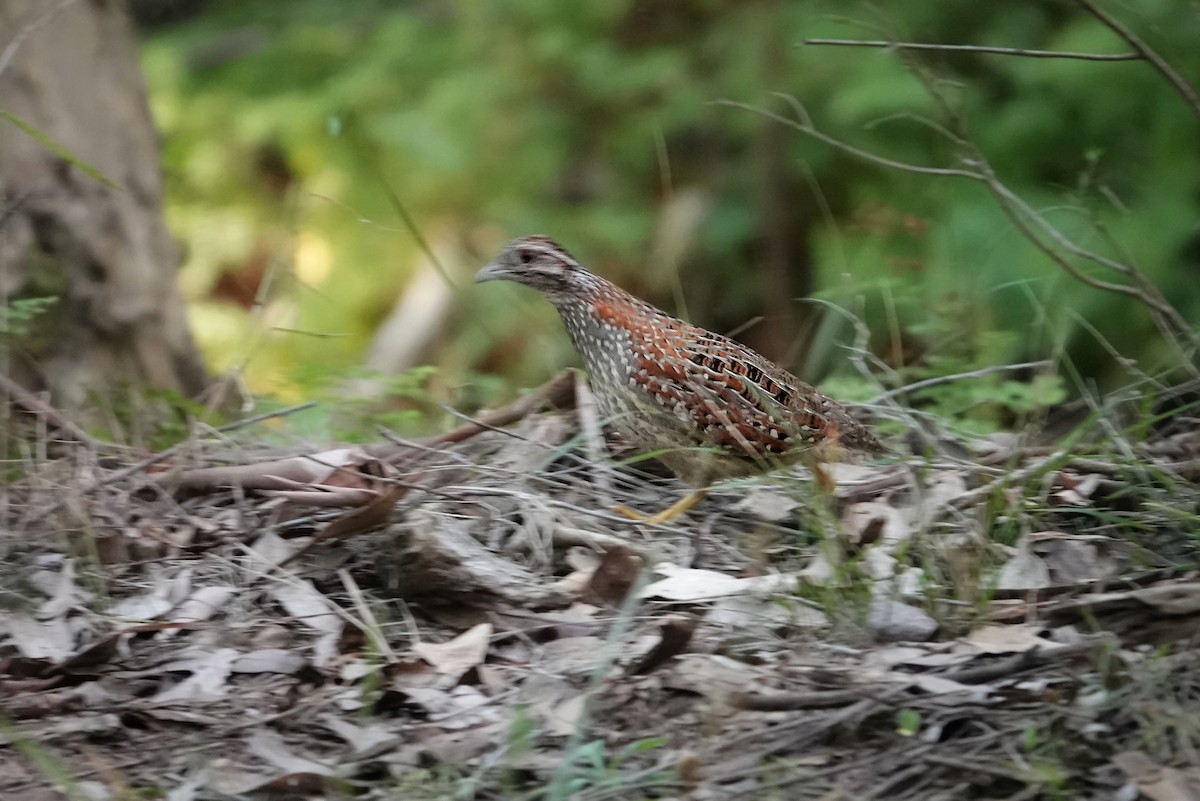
x=999 y=51
x=804 y=125
x=1185 y=89
x=945 y=379
x=1032 y=224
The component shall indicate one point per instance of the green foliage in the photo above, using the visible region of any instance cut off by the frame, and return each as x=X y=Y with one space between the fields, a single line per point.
x=18 y=315
x=592 y=768
x=154 y=419
x=591 y=120
x=356 y=404
x=908 y=721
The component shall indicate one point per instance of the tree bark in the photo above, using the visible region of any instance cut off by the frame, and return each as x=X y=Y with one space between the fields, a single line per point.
x=70 y=70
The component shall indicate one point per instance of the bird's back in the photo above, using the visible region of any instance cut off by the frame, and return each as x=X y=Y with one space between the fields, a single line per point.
x=669 y=385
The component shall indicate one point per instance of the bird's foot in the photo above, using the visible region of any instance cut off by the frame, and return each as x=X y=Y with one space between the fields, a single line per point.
x=670 y=513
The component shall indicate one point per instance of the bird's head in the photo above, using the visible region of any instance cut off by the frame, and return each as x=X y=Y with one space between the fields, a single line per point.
x=539 y=262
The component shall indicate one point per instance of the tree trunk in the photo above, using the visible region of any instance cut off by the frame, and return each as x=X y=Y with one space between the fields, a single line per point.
x=70 y=70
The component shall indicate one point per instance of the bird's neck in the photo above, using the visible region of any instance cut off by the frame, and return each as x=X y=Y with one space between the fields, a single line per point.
x=598 y=327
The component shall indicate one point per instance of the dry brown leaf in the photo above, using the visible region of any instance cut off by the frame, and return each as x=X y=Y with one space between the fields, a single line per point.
x=614 y=577
x=675 y=632
x=873 y=522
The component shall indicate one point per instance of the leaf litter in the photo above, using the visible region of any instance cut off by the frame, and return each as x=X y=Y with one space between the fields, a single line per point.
x=396 y=620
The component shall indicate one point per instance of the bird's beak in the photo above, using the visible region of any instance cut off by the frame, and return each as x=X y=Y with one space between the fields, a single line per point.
x=493 y=272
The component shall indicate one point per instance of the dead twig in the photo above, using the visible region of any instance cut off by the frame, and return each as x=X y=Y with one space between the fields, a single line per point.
x=34 y=405
x=820 y=699
x=1023 y=660
x=945 y=379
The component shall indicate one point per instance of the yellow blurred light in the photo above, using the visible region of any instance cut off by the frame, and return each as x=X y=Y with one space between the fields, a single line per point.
x=313 y=258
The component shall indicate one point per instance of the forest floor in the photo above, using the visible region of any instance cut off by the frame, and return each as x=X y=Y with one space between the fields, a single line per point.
x=466 y=618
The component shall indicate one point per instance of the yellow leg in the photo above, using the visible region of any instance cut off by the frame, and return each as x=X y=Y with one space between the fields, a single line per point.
x=670 y=513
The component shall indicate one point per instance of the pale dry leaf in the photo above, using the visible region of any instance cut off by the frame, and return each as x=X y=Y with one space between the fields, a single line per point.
x=570 y=656
x=203 y=603
x=997 y=447
x=818 y=572
x=893 y=621
x=878 y=564
x=103 y=726
x=307 y=606
x=269 y=660
x=768 y=504
x=1074 y=558
x=209 y=679
x=948 y=690
x=582 y=559
x=849 y=476
x=312 y=609
x=93 y=791
x=1158 y=782
x=745 y=612
x=62 y=591
x=460 y=707
x=269 y=746
x=713 y=676
x=462 y=746
x=564 y=719
x=459 y=655
x=924 y=655
x=942 y=487
x=691 y=584
x=1171 y=599
x=320 y=466
x=541 y=694
x=150 y=605
x=364 y=740
x=1024 y=571
x=1008 y=639
x=140 y=608
x=186 y=791
x=51 y=639
x=270 y=549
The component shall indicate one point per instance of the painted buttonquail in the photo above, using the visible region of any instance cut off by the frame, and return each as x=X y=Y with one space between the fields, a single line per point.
x=706 y=406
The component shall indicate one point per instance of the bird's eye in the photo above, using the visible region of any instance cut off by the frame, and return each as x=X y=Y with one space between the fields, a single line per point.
x=526 y=257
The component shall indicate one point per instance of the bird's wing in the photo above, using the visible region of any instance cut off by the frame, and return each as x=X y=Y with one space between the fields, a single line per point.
x=731 y=397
